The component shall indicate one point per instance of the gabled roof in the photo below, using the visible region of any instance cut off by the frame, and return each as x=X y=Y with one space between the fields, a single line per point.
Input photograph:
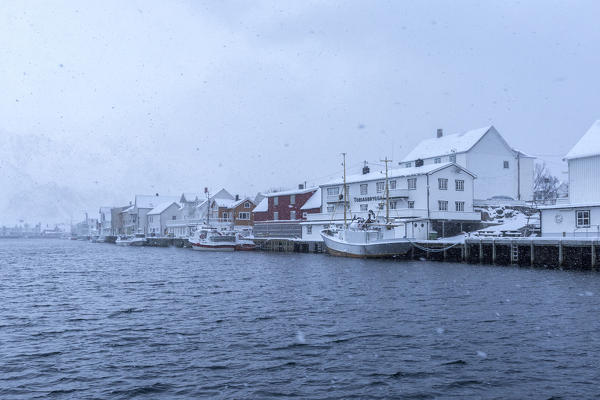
x=313 y=202
x=159 y=209
x=128 y=209
x=149 y=201
x=396 y=173
x=225 y=203
x=445 y=145
x=588 y=145
x=240 y=201
x=263 y=206
x=222 y=194
x=288 y=192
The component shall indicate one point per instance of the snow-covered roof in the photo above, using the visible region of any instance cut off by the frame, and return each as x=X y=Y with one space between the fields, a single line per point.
x=263 y=206
x=288 y=192
x=448 y=144
x=149 y=201
x=192 y=196
x=240 y=201
x=159 y=209
x=313 y=202
x=588 y=145
x=396 y=173
x=128 y=209
x=225 y=203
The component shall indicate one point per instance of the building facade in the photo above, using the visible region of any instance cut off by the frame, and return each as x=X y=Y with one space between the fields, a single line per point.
x=433 y=198
x=500 y=169
x=159 y=216
x=579 y=214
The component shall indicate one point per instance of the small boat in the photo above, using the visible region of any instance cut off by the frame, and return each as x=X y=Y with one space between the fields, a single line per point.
x=243 y=244
x=210 y=239
x=137 y=240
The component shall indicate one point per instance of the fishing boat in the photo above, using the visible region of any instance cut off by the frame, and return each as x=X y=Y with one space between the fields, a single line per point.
x=243 y=244
x=210 y=239
x=136 y=240
x=370 y=238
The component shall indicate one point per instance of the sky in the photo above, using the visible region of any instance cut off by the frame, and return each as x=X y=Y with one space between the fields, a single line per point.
x=102 y=100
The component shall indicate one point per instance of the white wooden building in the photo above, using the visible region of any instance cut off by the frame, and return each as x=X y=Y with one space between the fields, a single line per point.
x=579 y=214
x=501 y=170
x=135 y=217
x=433 y=198
x=159 y=216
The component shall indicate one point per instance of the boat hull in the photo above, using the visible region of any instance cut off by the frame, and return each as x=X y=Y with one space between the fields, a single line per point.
x=383 y=249
x=210 y=247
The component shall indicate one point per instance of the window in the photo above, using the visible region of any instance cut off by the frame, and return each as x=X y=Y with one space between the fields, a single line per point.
x=459 y=205
x=437 y=160
x=364 y=207
x=392 y=185
x=309 y=229
x=364 y=189
x=583 y=218
x=275 y=216
x=244 y=216
x=293 y=199
x=452 y=157
x=174 y=217
x=408 y=164
x=304 y=215
x=459 y=185
x=247 y=204
x=380 y=187
x=411 y=204
x=506 y=165
x=412 y=183
x=225 y=215
x=443 y=183
x=276 y=201
x=292 y=214
x=333 y=191
x=330 y=208
x=442 y=205
x=380 y=206
x=150 y=218
x=393 y=205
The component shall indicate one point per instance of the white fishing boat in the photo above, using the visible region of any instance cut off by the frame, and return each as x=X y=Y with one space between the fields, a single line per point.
x=367 y=238
x=210 y=239
x=137 y=240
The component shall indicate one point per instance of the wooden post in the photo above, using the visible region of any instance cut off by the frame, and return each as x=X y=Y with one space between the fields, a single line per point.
x=412 y=252
x=493 y=251
x=480 y=251
x=467 y=249
x=560 y=253
x=532 y=253
x=462 y=252
x=593 y=256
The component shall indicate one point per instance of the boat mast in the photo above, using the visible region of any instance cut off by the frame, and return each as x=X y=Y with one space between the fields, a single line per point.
x=207 y=206
x=387 y=191
x=345 y=190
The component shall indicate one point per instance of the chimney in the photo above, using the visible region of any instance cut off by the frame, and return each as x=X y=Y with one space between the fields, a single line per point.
x=440 y=133
x=301 y=186
x=419 y=163
x=237 y=197
x=156 y=194
x=366 y=169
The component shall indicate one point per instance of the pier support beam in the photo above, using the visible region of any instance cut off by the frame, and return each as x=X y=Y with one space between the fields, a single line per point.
x=493 y=251
x=531 y=254
x=467 y=249
x=593 y=257
x=560 y=254
x=480 y=251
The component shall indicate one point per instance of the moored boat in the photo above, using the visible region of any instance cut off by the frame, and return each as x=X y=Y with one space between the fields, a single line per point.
x=137 y=240
x=210 y=239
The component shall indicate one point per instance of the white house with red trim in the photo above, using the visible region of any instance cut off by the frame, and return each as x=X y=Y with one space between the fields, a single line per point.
x=579 y=214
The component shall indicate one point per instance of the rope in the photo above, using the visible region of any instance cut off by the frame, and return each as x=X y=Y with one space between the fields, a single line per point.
x=430 y=250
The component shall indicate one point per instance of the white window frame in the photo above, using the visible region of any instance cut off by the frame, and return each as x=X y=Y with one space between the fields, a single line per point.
x=330 y=208
x=275 y=200
x=442 y=184
x=292 y=199
x=452 y=158
x=459 y=206
x=364 y=188
x=408 y=165
x=392 y=185
x=309 y=229
x=443 y=205
x=275 y=216
x=244 y=216
x=393 y=204
x=412 y=183
x=411 y=204
x=437 y=160
x=459 y=185
x=292 y=215
x=333 y=191
x=380 y=187
x=580 y=219
x=506 y=165
x=247 y=204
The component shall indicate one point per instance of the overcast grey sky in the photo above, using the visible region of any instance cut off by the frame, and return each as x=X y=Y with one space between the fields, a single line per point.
x=102 y=100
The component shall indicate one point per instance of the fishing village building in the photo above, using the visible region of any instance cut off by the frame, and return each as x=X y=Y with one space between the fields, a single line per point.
x=135 y=216
x=578 y=215
x=500 y=169
x=159 y=216
x=432 y=199
x=279 y=214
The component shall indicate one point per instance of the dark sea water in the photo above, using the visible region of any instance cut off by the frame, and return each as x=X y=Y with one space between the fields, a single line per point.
x=81 y=320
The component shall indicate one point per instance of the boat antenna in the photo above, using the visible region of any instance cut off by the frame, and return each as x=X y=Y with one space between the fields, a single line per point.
x=387 y=191
x=207 y=206
x=345 y=189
